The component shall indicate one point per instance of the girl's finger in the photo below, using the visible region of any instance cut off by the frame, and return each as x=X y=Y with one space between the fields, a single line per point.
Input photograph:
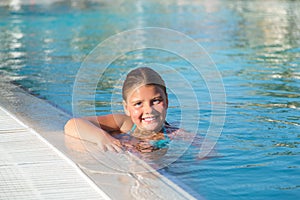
x=118 y=143
x=102 y=147
x=110 y=148
x=118 y=149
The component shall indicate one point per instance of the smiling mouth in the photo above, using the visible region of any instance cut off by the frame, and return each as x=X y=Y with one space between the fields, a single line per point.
x=148 y=119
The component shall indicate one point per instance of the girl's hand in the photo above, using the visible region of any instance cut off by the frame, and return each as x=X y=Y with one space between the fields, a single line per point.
x=109 y=143
x=85 y=130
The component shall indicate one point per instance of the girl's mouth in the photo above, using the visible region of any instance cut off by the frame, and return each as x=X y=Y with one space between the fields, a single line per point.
x=148 y=119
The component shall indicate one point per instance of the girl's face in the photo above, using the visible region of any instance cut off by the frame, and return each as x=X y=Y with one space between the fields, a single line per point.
x=147 y=106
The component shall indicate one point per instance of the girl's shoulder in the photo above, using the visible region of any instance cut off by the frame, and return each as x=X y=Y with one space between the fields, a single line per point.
x=171 y=129
x=174 y=131
x=126 y=123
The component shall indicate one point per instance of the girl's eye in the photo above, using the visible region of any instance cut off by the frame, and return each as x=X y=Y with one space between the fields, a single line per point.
x=156 y=101
x=137 y=104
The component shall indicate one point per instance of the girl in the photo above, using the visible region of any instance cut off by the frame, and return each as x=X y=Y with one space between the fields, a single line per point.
x=145 y=102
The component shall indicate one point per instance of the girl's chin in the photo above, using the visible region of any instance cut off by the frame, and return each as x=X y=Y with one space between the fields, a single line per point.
x=151 y=127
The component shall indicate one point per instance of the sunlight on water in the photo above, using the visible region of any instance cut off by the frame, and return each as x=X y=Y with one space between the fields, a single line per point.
x=254 y=44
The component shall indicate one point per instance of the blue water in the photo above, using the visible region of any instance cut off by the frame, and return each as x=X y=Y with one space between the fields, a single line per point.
x=255 y=45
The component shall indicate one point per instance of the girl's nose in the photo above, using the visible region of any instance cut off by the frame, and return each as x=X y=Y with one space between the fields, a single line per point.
x=148 y=109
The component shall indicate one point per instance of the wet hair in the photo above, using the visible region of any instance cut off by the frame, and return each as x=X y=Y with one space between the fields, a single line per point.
x=139 y=77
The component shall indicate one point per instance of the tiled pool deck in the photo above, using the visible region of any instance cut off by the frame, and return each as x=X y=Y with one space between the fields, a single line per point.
x=37 y=161
x=31 y=168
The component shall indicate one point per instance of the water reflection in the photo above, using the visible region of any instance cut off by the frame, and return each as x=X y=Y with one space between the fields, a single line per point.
x=255 y=44
x=272 y=68
x=12 y=56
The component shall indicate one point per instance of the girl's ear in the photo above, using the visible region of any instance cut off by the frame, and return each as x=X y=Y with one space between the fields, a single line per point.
x=125 y=108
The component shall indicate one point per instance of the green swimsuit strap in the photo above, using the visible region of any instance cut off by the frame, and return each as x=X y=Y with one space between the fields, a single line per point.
x=132 y=129
x=157 y=143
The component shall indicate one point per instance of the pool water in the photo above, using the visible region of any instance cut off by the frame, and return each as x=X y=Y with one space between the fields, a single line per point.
x=254 y=44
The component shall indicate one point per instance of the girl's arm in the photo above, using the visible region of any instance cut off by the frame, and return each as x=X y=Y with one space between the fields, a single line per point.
x=96 y=130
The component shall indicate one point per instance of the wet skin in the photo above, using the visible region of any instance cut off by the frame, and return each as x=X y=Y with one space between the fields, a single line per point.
x=147 y=108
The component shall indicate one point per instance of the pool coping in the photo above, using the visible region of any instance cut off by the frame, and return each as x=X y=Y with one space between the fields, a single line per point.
x=24 y=156
x=145 y=183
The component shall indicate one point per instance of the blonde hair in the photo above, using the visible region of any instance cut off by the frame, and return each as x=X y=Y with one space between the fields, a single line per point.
x=139 y=77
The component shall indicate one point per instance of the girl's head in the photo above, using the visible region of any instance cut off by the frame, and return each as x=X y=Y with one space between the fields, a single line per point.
x=145 y=99
x=142 y=76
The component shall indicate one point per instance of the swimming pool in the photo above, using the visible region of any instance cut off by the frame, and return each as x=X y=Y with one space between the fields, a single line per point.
x=255 y=45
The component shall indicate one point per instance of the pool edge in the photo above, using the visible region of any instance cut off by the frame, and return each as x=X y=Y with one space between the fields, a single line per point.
x=33 y=111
